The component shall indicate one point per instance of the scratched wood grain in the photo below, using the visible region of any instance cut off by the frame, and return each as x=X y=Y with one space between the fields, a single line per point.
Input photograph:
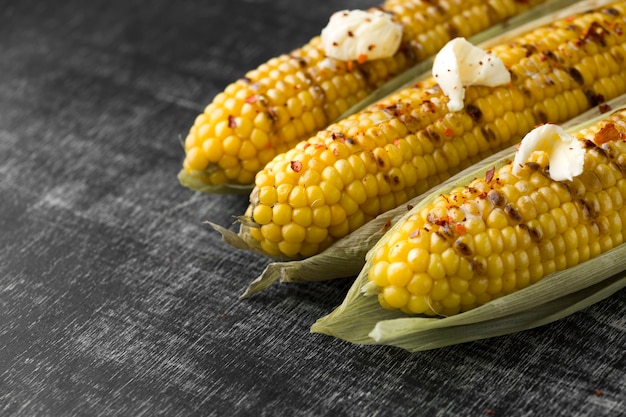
x=116 y=299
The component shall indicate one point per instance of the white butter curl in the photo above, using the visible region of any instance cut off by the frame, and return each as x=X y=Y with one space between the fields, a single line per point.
x=565 y=153
x=361 y=35
x=460 y=64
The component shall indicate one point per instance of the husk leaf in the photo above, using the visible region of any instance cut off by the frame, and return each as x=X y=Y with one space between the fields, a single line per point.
x=360 y=319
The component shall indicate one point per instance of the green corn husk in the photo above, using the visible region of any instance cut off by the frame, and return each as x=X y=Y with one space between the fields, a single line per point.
x=360 y=318
x=346 y=257
x=541 y=14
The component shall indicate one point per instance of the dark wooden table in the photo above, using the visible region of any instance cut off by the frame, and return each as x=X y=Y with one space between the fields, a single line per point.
x=116 y=299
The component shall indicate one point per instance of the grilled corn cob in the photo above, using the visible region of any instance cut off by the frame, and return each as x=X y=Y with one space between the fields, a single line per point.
x=292 y=96
x=379 y=158
x=507 y=230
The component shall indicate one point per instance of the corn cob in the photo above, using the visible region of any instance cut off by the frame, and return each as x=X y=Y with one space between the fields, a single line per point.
x=292 y=96
x=377 y=159
x=506 y=231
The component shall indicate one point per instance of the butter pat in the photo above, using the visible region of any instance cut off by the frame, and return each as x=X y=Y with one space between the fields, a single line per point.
x=460 y=64
x=565 y=153
x=361 y=35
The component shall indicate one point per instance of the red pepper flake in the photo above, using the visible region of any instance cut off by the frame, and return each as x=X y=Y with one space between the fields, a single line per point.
x=595 y=33
x=350 y=65
x=232 y=123
x=251 y=99
x=490 y=412
x=362 y=58
x=604 y=108
x=598 y=392
x=386 y=226
x=608 y=133
x=460 y=228
x=409 y=207
x=396 y=142
x=296 y=166
x=449 y=132
x=489 y=174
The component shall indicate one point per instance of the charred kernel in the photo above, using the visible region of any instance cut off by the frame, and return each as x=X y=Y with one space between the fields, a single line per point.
x=496 y=198
x=513 y=213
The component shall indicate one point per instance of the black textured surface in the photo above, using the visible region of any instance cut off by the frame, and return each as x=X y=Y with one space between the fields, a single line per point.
x=116 y=299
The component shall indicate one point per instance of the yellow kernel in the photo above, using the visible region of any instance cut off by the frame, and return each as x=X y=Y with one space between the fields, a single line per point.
x=272 y=232
x=465 y=270
x=337 y=214
x=322 y=216
x=212 y=149
x=438 y=243
x=396 y=297
x=451 y=303
x=478 y=285
x=356 y=191
x=281 y=213
x=459 y=285
x=331 y=193
x=370 y=185
x=418 y=258
x=497 y=219
x=436 y=268
x=293 y=232
x=450 y=261
x=262 y=214
x=282 y=192
x=270 y=248
x=231 y=145
x=267 y=195
x=302 y=216
x=378 y=274
x=289 y=248
x=441 y=288
x=356 y=220
x=297 y=197
x=315 y=234
x=259 y=139
x=315 y=196
x=196 y=159
x=482 y=244
x=344 y=171
x=349 y=205
x=495 y=266
x=418 y=304
x=420 y=284
x=474 y=225
x=399 y=251
x=399 y=274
